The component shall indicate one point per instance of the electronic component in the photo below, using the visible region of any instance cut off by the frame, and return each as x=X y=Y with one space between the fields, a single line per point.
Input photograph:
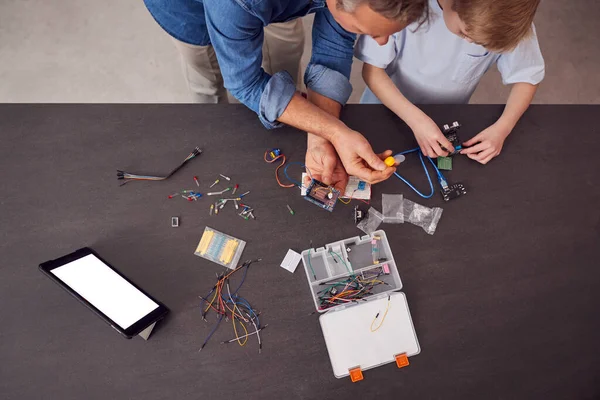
x=220 y=248
x=453 y=191
x=322 y=195
x=361 y=185
x=274 y=153
x=395 y=160
x=291 y=261
x=358 y=215
x=128 y=177
x=290 y=209
x=451 y=133
x=444 y=163
x=174 y=222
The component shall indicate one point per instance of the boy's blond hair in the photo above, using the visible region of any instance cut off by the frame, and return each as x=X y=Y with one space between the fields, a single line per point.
x=498 y=25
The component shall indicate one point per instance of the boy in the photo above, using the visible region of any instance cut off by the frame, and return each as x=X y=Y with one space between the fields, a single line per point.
x=444 y=61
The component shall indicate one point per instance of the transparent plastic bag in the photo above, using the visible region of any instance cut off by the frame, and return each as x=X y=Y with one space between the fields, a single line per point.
x=425 y=217
x=392 y=207
x=371 y=222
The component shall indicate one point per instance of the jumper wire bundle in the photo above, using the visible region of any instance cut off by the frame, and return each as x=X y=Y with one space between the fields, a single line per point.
x=228 y=305
x=128 y=177
x=349 y=290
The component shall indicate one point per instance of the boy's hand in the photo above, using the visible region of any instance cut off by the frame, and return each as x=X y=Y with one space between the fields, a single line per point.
x=358 y=157
x=324 y=164
x=487 y=144
x=430 y=138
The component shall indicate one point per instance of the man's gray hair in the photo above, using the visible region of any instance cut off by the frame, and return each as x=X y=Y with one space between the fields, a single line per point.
x=350 y=5
x=407 y=11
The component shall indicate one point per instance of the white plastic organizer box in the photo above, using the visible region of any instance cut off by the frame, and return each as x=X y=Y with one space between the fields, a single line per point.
x=355 y=285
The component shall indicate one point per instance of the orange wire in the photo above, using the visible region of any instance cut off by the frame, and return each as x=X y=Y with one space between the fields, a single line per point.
x=281 y=156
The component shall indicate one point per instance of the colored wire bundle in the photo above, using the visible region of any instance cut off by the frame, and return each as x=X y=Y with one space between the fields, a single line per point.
x=351 y=289
x=228 y=305
x=128 y=177
x=274 y=156
x=440 y=176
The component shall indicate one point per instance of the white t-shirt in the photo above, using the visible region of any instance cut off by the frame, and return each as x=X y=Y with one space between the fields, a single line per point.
x=433 y=65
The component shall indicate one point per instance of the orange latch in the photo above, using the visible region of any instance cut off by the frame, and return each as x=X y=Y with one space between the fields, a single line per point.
x=356 y=374
x=401 y=360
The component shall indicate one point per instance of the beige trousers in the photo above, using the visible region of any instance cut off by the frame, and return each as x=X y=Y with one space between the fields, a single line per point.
x=282 y=49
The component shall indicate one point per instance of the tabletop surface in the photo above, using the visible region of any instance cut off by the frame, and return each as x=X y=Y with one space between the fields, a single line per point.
x=504 y=296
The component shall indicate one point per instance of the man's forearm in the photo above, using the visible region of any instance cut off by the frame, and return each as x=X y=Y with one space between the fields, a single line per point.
x=320 y=119
x=331 y=107
x=518 y=101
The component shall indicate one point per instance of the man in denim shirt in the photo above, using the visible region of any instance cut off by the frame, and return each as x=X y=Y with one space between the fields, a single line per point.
x=235 y=29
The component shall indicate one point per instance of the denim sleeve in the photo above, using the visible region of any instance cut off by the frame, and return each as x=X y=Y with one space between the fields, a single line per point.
x=237 y=37
x=328 y=72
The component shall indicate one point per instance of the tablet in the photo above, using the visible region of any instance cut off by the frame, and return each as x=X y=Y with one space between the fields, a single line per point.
x=105 y=291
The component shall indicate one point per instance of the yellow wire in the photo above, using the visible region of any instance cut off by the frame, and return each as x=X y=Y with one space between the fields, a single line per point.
x=212 y=300
x=382 y=319
x=235 y=329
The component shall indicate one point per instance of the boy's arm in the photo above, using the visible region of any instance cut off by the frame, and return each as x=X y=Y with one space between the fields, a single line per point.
x=426 y=132
x=488 y=143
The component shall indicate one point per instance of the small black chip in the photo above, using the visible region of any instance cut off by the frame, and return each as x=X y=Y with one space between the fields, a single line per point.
x=358 y=215
x=451 y=133
x=454 y=191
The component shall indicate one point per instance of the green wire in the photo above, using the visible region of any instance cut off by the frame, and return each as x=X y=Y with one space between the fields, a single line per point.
x=310 y=265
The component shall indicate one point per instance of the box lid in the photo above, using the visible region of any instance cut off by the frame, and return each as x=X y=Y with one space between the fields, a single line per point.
x=356 y=338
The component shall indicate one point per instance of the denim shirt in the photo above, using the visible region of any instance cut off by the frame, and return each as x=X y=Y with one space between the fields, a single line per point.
x=235 y=30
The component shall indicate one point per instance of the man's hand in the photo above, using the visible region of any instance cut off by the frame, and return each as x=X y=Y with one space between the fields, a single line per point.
x=358 y=157
x=487 y=144
x=430 y=138
x=323 y=163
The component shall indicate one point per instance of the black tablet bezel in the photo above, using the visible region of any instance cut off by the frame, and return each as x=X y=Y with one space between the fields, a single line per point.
x=131 y=331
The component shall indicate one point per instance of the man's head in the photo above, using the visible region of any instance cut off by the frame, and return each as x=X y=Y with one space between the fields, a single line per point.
x=377 y=18
x=496 y=25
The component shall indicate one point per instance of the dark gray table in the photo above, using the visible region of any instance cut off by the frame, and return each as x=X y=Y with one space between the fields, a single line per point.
x=504 y=296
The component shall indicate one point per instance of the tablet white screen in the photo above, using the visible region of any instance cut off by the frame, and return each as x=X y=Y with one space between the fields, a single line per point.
x=106 y=290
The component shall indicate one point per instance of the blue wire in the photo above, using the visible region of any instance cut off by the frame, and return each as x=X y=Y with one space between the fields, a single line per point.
x=239 y=301
x=245 y=303
x=295 y=182
x=424 y=169
x=242 y=281
x=212 y=332
x=437 y=171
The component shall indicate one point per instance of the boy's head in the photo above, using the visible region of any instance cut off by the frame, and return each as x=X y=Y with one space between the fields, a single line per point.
x=497 y=25
x=377 y=18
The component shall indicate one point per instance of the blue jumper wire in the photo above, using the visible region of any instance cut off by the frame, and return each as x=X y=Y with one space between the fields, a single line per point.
x=440 y=176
